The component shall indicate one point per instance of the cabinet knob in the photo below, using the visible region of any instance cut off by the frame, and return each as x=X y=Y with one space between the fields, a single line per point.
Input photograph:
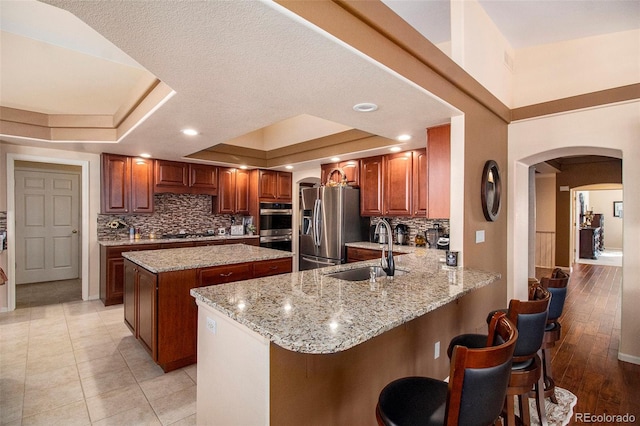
x=227 y=274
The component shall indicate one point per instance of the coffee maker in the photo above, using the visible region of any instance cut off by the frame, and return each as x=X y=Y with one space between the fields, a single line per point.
x=402 y=234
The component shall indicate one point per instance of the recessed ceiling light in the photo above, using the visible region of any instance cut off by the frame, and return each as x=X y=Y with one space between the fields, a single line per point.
x=334 y=159
x=403 y=137
x=395 y=149
x=189 y=132
x=145 y=155
x=288 y=167
x=365 y=107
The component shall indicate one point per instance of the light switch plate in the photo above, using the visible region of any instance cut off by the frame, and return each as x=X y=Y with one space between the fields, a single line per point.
x=480 y=236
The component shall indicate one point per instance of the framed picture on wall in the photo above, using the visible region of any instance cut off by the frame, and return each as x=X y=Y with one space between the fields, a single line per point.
x=617 y=209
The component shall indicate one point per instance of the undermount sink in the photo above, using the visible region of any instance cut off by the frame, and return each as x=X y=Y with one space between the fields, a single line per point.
x=361 y=274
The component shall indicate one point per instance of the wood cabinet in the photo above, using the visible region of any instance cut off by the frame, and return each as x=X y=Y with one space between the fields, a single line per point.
x=439 y=171
x=358 y=254
x=185 y=178
x=112 y=274
x=351 y=169
x=233 y=193
x=398 y=189
x=161 y=313
x=420 y=183
x=112 y=271
x=274 y=186
x=127 y=185
x=590 y=243
x=371 y=186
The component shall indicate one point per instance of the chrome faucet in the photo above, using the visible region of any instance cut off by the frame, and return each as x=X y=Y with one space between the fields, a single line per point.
x=388 y=265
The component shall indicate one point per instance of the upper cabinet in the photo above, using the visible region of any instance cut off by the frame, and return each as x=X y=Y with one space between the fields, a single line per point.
x=274 y=186
x=233 y=194
x=127 y=185
x=371 y=186
x=185 y=178
x=439 y=171
x=397 y=194
x=351 y=169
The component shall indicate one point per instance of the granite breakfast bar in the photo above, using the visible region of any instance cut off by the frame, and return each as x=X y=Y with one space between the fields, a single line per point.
x=158 y=308
x=308 y=348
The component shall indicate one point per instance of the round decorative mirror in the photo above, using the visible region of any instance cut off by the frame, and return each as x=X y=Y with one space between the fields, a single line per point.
x=491 y=190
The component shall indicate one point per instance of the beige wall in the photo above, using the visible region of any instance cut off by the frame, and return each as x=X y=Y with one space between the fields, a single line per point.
x=546 y=202
x=602 y=202
x=548 y=72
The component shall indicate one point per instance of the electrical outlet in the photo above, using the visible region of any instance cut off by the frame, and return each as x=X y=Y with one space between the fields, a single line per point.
x=436 y=350
x=211 y=325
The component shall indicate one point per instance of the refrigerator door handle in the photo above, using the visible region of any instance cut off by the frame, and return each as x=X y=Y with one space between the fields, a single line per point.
x=320 y=262
x=317 y=229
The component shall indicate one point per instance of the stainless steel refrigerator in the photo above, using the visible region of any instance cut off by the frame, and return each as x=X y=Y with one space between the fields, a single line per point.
x=330 y=218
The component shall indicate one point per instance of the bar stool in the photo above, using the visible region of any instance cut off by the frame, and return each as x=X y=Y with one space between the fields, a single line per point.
x=474 y=395
x=530 y=318
x=557 y=286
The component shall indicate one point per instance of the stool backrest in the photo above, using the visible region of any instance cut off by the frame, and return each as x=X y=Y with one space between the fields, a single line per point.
x=557 y=286
x=478 y=378
x=530 y=318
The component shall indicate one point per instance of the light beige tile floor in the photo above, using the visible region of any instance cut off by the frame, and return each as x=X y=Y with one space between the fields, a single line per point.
x=77 y=363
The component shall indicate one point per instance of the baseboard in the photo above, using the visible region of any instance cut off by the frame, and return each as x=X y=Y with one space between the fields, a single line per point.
x=629 y=358
x=3 y=310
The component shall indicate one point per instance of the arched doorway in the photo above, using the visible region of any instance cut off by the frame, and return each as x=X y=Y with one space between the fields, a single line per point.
x=582 y=132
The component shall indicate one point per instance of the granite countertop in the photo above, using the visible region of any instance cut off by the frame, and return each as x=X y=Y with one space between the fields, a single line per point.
x=310 y=312
x=179 y=259
x=128 y=242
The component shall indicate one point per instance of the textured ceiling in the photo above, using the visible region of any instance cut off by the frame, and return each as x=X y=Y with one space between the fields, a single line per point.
x=240 y=66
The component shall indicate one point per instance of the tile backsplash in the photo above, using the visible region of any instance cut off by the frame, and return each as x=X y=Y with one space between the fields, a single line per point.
x=172 y=213
x=416 y=225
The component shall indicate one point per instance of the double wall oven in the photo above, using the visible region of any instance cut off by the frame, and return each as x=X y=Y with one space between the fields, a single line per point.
x=276 y=225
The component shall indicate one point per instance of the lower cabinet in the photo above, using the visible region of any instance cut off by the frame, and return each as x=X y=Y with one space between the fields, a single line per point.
x=112 y=263
x=162 y=315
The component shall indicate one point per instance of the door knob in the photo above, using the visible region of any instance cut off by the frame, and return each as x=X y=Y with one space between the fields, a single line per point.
x=75 y=231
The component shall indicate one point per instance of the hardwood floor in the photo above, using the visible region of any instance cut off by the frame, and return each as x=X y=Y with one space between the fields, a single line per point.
x=585 y=360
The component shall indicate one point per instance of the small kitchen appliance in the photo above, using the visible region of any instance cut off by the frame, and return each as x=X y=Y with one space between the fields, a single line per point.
x=443 y=242
x=402 y=234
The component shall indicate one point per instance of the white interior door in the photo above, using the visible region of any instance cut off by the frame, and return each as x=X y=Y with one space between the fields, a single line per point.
x=47 y=220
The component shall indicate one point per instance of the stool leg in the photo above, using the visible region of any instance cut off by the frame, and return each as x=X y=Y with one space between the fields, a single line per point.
x=525 y=414
x=542 y=412
x=548 y=376
x=511 y=414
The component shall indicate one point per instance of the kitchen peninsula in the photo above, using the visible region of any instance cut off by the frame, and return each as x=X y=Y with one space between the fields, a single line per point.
x=308 y=348
x=158 y=308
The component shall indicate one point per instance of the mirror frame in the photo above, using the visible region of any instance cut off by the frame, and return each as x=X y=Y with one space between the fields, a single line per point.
x=492 y=211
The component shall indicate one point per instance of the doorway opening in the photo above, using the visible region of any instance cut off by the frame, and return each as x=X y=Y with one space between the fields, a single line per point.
x=23 y=251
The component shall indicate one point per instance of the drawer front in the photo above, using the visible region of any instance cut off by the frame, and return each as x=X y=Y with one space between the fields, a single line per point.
x=271 y=267
x=224 y=274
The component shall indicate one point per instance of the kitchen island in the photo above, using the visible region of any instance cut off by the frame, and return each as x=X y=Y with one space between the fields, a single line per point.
x=158 y=308
x=308 y=348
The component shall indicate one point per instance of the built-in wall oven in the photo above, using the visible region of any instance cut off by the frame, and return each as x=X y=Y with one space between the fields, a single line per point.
x=276 y=225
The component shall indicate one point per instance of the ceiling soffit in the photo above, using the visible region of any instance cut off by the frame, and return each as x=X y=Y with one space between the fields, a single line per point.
x=347 y=142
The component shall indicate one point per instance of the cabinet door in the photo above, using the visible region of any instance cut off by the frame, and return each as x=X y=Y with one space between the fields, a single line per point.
x=355 y=254
x=171 y=176
x=203 y=179
x=146 y=325
x=141 y=185
x=420 y=183
x=439 y=171
x=398 y=188
x=268 y=185
x=129 y=296
x=224 y=274
x=115 y=283
x=350 y=168
x=227 y=191
x=271 y=267
x=116 y=183
x=284 y=189
x=371 y=186
x=242 y=192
